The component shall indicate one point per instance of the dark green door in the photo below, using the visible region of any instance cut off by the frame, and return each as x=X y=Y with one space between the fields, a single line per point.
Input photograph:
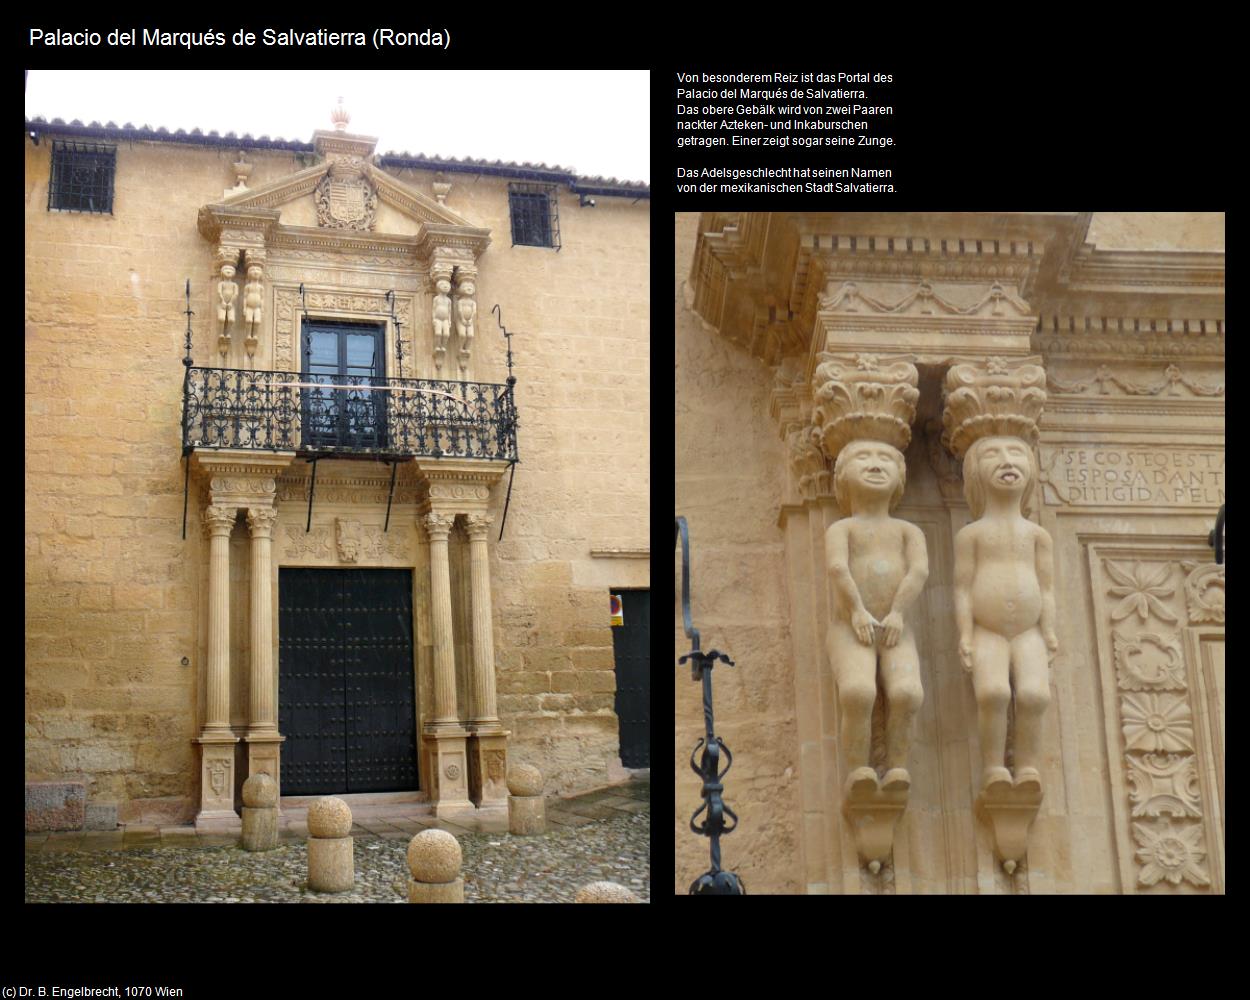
x=631 y=647
x=346 y=700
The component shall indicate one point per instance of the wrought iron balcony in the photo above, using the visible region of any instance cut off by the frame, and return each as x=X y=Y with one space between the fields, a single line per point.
x=326 y=415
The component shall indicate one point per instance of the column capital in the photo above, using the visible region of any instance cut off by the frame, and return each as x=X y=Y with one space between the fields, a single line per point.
x=261 y=521
x=858 y=397
x=994 y=398
x=477 y=525
x=219 y=519
x=438 y=524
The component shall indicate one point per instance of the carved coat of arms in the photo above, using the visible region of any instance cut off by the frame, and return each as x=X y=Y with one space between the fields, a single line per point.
x=345 y=200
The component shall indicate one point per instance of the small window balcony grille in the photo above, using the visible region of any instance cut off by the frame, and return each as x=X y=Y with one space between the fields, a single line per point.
x=535 y=215
x=82 y=177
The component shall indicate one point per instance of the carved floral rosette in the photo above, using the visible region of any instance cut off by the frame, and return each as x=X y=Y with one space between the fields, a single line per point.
x=1157 y=723
x=995 y=399
x=856 y=398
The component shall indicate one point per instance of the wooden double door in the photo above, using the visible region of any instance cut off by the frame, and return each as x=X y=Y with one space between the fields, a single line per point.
x=346 y=693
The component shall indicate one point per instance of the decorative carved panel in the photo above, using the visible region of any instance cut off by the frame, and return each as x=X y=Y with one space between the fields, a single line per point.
x=1148 y=671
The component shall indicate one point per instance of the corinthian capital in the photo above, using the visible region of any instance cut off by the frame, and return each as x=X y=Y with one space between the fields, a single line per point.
x=219 y=520
x=261 y=521
x=477 y=525
x=857 y=398
x=994 y=398
x=437 y=525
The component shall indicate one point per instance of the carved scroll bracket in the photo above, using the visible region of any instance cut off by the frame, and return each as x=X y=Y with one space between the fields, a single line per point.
x=873 y=811
x=1010 y=809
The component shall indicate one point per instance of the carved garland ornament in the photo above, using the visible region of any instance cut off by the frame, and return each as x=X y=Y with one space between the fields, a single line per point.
x=1104 y=377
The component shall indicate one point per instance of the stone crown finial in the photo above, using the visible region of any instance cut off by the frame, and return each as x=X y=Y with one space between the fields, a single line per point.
x=995 y=398
x=340 y=117
x=857 y=398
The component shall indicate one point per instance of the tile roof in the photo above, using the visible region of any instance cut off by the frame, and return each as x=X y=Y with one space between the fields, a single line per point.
x=531 y=171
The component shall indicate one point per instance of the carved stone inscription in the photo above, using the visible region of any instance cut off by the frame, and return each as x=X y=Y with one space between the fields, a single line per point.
x=1097 y=475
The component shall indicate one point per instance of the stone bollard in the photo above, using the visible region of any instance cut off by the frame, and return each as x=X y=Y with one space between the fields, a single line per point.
x=434 y=859
x=605 y=892
x=260 y=813
x=525 y=800
x=330 y=866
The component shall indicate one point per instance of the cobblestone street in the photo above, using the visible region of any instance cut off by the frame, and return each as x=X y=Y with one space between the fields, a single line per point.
x=603 y=835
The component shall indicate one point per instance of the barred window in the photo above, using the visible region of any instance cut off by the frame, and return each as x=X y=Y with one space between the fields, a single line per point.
x=82 y=177
x=535 y=217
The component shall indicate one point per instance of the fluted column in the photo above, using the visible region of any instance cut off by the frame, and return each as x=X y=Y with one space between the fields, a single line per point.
x=218 y=521
x=484 y=713
x=262 y=717
x=438 y=525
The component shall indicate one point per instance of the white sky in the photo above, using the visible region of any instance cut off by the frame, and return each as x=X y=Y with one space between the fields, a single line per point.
x=593 y=122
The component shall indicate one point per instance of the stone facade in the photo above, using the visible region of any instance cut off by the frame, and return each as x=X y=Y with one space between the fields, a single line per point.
x=1070 y=414
x=151 y=667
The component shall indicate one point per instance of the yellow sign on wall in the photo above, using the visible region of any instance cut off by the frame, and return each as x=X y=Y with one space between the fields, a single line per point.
x=618 y=611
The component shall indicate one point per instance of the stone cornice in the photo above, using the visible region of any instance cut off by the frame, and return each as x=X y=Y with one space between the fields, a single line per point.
x=642 y=552
x=1153 y=270
x=758 y=280
x=342 y=241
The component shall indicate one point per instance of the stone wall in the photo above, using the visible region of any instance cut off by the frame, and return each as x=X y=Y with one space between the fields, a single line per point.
x=114 y=595
x=729 y=487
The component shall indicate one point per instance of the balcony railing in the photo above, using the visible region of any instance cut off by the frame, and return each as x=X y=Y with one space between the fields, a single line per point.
x=347 y=415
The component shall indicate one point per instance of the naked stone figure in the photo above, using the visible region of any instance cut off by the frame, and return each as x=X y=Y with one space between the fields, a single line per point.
x=442 y=315
x=227 y=292
x=253 y=296
x=1005 y=606
x=877 y=565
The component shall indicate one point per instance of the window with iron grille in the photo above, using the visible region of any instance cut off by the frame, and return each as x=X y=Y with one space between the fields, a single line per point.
x=535 y=217
x=82 y=177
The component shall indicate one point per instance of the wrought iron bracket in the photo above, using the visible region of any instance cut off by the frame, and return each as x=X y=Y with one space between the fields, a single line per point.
x=1216 y=538
x=715 y=881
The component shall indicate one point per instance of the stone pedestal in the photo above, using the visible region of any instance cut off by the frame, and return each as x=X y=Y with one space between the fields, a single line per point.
x=264 y=757
x=217 y=781
x=446 y=748
x=436 y=892
x=330 y=864
x=260 y=828
x=260 y=813
x=488 y=767
x=526 y=815
x=434 y=859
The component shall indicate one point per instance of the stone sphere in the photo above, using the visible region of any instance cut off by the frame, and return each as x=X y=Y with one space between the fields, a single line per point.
x=434 y=856
x=604 y=892
x=260 y=790
x=329 y=817
x=525 y=779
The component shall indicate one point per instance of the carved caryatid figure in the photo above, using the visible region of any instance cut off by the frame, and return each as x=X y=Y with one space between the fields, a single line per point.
x=877 y=565
x=466 y=311
x=227 y=292
x=253 y=296
x=1005 y=605
x=442 y=318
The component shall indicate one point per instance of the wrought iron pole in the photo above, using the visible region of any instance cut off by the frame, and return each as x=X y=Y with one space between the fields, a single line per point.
x=715 y=881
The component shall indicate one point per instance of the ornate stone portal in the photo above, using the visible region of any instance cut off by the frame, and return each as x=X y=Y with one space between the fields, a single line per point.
x=311 y=240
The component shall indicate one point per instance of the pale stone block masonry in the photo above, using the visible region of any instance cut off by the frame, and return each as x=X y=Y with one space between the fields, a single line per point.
x=116 y=599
